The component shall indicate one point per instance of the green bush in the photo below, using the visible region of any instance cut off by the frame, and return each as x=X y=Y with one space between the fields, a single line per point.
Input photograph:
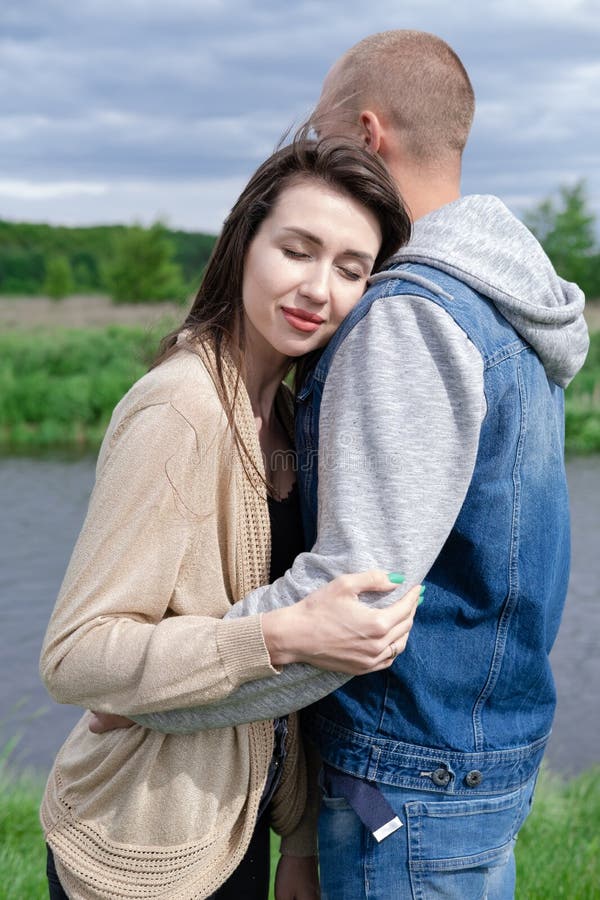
x=59 y=389
x=144 y=269
x=59 y=278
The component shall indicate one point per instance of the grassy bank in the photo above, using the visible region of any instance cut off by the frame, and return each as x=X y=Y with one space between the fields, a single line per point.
x=558 y=851
x=22 y=850
x=58 y=388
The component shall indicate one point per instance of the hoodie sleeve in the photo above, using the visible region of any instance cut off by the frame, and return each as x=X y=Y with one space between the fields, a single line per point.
x=399 y=432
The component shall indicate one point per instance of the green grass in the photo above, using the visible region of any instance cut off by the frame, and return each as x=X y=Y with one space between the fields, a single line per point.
x=58 y=388
x=558 y=851
x=22 y=849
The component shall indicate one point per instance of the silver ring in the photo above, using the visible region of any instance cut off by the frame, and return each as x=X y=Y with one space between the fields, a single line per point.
x=393 y=651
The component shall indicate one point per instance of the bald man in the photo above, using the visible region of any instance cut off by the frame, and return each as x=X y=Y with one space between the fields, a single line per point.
x=436 y=416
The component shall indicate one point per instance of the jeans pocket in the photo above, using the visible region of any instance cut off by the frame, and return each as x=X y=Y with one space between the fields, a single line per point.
x=461 y=833
x=463 y=841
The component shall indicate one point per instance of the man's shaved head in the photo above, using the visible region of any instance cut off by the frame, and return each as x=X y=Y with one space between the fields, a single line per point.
x=414 y=82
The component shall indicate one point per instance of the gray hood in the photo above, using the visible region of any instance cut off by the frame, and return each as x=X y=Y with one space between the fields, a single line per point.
x=479 y=241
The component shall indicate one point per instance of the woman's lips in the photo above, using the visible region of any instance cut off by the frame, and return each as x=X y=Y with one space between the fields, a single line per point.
x=302 y=320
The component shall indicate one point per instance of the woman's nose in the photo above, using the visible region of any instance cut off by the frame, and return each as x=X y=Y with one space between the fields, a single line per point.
x=316 y=285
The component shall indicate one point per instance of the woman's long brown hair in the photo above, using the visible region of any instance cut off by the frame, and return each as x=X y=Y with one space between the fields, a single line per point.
x=217 y=314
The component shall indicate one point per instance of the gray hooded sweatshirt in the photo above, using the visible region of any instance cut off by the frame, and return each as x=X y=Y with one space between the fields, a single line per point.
x=399 y=430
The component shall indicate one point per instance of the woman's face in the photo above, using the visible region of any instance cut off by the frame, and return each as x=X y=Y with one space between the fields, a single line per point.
x=306 y=267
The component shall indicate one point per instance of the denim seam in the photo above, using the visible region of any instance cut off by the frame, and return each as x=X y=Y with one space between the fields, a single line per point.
x=374 y=763
x=458 y=809
x=384 y=704
x=513 y=582
x=460 y=863
x=418 y=752
x=508 y=352
x=413 y=831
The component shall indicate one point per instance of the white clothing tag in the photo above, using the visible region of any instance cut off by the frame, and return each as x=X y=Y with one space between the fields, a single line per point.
x=387 y=829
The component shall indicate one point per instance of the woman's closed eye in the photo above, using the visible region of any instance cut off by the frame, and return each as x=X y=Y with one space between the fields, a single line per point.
x=348 y=272
x=351 y=274
x=294 y=254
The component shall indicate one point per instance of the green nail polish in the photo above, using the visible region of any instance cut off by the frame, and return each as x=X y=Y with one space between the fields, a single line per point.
x=420 y=600
x=422 y=591
x=396 y=577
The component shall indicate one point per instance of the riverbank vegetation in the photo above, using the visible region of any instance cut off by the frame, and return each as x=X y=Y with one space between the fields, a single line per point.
x=558 y=851
x=57 y=391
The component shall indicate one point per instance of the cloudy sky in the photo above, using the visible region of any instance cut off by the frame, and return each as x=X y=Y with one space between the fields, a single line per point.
x=124 y=110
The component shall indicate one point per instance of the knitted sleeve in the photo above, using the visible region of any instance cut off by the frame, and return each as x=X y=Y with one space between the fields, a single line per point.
x=112 y=643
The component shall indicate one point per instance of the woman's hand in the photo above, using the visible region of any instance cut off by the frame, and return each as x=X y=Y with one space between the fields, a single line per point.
x=101 y=722
x=333 y=630
x=297 y=878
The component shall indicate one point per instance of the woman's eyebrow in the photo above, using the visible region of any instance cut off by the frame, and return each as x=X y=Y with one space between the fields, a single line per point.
x=315 y=239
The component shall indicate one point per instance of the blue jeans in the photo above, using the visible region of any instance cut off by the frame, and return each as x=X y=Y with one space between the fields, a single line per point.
x=451 y=848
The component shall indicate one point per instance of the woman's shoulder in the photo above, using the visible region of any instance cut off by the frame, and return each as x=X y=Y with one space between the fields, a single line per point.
x=182 y=381
x=177 y=399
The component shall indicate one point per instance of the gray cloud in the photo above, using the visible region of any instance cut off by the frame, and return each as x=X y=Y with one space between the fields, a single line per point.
x=123 y=93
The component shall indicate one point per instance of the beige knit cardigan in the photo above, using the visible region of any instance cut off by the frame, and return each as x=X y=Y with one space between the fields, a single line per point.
x=174 y=534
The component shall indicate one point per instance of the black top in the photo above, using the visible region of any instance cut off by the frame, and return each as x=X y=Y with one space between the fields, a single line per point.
x=287 y=537
x=287 y=541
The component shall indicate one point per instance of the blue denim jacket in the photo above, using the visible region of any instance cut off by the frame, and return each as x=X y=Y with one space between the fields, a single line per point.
x=469 y=705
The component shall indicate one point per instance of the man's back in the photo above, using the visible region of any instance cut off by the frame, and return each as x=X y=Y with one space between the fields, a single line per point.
x=475 y=675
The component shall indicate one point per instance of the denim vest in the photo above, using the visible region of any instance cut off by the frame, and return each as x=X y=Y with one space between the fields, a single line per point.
x=468 y=706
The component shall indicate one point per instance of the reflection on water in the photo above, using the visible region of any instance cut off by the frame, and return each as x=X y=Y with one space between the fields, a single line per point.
x=43 y=505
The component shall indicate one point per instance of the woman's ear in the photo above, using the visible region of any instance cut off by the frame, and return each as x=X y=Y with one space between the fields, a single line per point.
x=371 y=130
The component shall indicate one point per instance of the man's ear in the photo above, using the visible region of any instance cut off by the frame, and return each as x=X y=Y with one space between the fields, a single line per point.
x=371 y=130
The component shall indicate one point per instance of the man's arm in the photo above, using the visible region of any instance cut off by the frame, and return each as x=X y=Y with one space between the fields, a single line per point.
x=399 y=431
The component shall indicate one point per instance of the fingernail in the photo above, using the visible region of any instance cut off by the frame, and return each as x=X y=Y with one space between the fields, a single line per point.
x=421 y=597
x=396 y=577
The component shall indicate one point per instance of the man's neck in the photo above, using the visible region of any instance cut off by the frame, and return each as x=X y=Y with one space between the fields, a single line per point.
x=424 y=190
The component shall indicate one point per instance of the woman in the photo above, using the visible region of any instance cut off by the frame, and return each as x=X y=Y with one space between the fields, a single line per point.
x=191 y=478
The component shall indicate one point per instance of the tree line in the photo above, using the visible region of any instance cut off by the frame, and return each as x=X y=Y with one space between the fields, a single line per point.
x=131 y=263
x=136 y=264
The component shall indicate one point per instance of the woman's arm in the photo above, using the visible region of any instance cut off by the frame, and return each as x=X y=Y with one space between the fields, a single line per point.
x=330 y=628
x=108 y=645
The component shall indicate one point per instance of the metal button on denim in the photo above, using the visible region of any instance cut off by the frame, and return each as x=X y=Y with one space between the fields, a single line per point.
x=473 y=778
x=441 y=777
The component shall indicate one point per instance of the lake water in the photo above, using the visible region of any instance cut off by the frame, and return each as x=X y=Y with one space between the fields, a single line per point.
x=43 y=503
